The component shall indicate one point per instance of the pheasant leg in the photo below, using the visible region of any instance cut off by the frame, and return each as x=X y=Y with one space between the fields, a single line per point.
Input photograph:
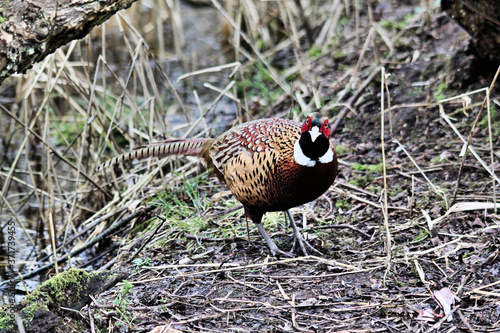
x=298 y=238
x=275 y=251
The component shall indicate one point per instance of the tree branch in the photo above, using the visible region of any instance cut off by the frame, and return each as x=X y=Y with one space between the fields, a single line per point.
x=32 y=29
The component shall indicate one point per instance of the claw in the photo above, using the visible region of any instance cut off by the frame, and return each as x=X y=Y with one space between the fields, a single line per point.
x=297 y=238
x=275 y=251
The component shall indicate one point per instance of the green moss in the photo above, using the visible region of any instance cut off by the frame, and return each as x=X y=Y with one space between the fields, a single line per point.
x=6 y=321
x=369 y=168
x=343 y=204
x=421 y=236
x=370 y=172
x=58 y=286
x=359 y=181
x=396 y=25
x=343 y=149
x=338 y=55
x=440 y=91
x=495 y=121
x=436 y=160
x=314 y=51
x=53 y=293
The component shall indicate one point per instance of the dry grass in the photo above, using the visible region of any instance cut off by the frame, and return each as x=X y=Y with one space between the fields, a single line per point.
x=426 y=219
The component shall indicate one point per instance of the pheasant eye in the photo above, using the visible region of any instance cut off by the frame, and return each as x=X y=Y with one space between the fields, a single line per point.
x=325 y=128
x=307 y=125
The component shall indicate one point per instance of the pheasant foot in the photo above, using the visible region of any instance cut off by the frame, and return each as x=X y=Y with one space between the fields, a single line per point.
x=298 y=238
x=273 y=248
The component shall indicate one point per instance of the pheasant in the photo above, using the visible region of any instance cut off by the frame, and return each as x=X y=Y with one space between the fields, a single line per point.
x=269 y=165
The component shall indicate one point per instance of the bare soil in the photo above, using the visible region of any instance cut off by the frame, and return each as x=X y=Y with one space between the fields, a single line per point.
x=356 y=286
x=377 y=271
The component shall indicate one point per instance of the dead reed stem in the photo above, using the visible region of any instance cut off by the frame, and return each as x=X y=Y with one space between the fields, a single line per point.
x=388 y=238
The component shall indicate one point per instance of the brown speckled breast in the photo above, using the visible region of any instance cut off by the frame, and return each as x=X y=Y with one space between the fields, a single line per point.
x=256 y=162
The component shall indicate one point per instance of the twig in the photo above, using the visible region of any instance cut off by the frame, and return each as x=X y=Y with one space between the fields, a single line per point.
x=435 y=189
x=87 y=245
x=353 y=269
x=146 y=242
x=272 y=71
x=91 y=319
x=371 y=203
x=465 y=321
x=440 y=322
x=55 y=152
x=459 y=177
x=213 y=239
x=472 y=150
x=382 y=144
x=353 y=98
x=338 y=226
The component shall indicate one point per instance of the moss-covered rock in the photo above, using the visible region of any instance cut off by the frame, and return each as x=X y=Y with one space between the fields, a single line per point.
x=42 y=309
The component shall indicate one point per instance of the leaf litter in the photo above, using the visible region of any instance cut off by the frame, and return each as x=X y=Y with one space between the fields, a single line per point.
x=409 y=237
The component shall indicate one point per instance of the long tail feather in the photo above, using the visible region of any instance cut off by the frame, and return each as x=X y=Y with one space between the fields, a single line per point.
x=185 y=147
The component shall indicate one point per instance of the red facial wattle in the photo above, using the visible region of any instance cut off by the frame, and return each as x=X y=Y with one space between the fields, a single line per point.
x=325 y=128
x=307 y=125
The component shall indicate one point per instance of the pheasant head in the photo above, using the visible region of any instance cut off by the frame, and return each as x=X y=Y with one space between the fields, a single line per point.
x=313 y=146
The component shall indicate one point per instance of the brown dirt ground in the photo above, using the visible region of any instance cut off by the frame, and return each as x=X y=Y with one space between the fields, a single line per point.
x=229 y=285
x=234 y=286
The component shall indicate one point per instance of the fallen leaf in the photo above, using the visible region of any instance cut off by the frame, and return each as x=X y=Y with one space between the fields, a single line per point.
x=309 y=302
x=436 y=241
x=427 y=314
x=445 y=299
x=445 y=155
x=476 y=223
x=436 y=210
x=376 y=284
